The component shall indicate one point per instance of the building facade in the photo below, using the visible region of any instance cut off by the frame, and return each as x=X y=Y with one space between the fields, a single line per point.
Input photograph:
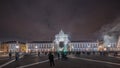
x=60 y=43
x=13 y=46
x=63 y=43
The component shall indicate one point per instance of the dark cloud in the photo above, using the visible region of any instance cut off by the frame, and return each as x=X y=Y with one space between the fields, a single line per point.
x=42 y=19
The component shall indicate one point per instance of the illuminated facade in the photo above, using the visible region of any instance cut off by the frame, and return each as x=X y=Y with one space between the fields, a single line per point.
x=60 y=43
x=42 y=46
x=13 y=46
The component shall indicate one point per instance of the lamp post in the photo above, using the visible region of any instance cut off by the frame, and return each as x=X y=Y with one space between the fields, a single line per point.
x=17 y=48
x=36 y=47
x=108 y=49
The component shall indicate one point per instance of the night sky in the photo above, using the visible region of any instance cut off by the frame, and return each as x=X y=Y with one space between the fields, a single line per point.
x=40 y=20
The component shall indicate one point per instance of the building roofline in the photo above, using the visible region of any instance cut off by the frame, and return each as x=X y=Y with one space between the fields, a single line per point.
x=12 y=42
x=41 y=42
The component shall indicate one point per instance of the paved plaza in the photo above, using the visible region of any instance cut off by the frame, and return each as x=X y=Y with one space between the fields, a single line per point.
x=82 y=61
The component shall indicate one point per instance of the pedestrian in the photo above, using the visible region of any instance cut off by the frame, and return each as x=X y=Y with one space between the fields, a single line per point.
x=10 y=55
x=51 y=59
x=38 y=53
x=58 y=55
x=116 y=53
x=17 y=56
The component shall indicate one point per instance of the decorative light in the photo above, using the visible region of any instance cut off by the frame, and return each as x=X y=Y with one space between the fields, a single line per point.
x=17 y=46
x=109 y=45
x=72 y=47
x=36 y=47
x=100 y=46
x=105 y=49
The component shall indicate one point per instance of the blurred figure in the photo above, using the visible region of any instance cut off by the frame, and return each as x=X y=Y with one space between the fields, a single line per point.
x=16 y=56
x=51 y=59
x=58 y=55
x=38 y=53
x=10 y=55
x=116 y=54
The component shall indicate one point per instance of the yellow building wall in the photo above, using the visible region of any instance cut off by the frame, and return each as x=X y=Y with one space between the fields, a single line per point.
x=23 y=48
x=4 y=48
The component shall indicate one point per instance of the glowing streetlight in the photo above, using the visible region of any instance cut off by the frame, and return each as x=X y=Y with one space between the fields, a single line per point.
x=17 y=47
x=36 y=47
x=109 y=45
x=100 y=46
x=105 y=49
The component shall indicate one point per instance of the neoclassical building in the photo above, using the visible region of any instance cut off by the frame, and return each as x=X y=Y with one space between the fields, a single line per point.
x=63 y=43
x=60 y=43
x=12 y=46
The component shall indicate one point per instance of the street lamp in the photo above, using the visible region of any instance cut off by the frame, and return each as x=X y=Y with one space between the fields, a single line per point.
x=109 y=48
x=109 y=45
x=72 y=48
x=100 y=48
x=17 y=47
x=105 y=49
x=36 y=48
